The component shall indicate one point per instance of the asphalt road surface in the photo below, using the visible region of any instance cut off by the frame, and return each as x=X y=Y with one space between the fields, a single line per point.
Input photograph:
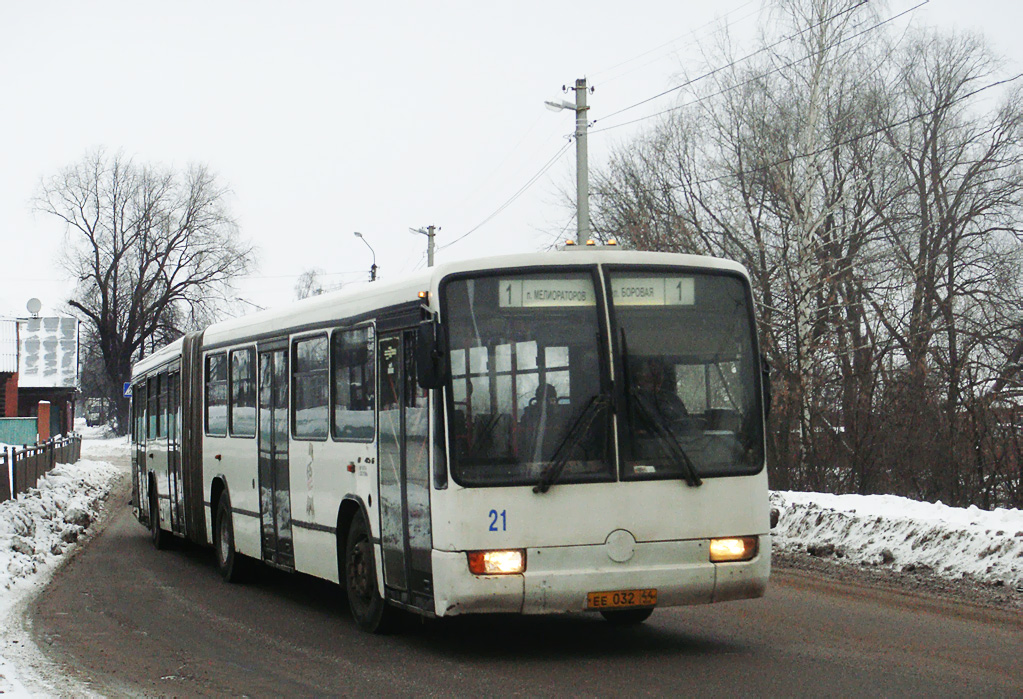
x=123 y=619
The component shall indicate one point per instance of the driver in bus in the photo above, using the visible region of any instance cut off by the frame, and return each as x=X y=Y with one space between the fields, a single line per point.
x=545 y=398
x=654 y=390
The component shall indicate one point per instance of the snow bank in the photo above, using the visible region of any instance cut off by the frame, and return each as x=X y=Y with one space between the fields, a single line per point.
x=905 y=534
x=37 y=530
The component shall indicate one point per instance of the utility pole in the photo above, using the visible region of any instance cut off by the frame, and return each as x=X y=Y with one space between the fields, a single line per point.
x=430 y=233
x=582 y=172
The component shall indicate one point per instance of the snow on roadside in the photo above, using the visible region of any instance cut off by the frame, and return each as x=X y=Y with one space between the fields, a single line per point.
x=904 y=534
x=38 y=527
x=38 y=530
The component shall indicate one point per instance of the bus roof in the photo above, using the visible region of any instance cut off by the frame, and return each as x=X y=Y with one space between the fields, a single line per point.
x=355 y=300
x=160 y=357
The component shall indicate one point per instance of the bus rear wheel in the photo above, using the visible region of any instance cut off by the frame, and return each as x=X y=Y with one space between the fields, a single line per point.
x=160 y=538
x=232 y=566
x=627 y=617
x=371 y=613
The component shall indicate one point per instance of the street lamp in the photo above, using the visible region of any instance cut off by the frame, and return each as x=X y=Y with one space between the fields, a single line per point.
x=373 y=267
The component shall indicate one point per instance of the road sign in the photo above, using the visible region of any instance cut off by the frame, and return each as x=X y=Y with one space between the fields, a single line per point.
x=127 y=389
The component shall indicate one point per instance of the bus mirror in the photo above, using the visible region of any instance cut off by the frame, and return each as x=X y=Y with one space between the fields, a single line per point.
x=431 y=348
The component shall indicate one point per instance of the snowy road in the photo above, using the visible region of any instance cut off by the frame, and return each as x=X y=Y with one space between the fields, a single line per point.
x=124 y=619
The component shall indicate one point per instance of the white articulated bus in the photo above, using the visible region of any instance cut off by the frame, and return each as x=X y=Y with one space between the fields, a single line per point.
x=580 y=430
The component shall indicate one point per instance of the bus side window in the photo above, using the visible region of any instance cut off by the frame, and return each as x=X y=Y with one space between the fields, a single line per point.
x=152 y=412
x=216 y=395
x=309 y=398
x=161 y=405
x=138 y=402
x=353 y=376
x=242 y=412
x=173 y=406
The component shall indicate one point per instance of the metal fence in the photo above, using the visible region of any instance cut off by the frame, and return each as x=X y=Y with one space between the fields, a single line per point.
x=21 y=468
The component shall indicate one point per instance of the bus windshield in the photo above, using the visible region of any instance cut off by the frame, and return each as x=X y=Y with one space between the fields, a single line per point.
x=526 y=379
x=688 y=374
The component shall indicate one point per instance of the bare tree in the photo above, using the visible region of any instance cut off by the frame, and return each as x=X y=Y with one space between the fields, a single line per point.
x=309 y=284
x=153 y=253
x=954 y=235
x=758 y=165
x=875 y=199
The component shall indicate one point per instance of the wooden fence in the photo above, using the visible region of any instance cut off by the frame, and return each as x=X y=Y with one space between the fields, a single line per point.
x=21 y=467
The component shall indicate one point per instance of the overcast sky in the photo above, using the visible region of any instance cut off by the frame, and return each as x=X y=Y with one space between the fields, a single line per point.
x=328 y=117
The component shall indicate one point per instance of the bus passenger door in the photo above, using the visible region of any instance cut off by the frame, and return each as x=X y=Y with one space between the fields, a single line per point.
x=274 y=483
x=177 y=491
x=140 y=488
x=404 y=472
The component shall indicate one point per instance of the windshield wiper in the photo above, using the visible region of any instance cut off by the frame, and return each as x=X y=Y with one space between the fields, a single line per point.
x=593 y=407
x=666 y=437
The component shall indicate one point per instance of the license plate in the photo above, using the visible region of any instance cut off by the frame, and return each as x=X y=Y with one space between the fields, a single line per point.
x=619 y=599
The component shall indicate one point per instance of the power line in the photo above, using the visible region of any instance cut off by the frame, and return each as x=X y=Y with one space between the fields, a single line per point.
x=512 y=151
x=532 y=180
x=561 y=151
x=832 y=146
x=296 y=276
x=760 y=76
x=742 y=59
x=547 y=166
x=561 y=235
x=666 y=44
x=736 y=61
x=873 y=132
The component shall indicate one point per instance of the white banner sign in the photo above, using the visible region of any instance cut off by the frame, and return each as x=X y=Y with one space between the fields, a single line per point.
x=654 y=291
x=546 y=293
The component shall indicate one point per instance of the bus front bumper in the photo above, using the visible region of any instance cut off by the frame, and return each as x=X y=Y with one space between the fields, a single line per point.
x=558 y=579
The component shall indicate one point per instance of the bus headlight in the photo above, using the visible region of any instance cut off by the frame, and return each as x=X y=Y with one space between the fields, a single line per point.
x=497 y=562
x=740 y=548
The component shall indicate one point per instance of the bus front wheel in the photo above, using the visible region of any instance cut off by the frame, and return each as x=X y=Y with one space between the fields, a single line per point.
x=371 y=613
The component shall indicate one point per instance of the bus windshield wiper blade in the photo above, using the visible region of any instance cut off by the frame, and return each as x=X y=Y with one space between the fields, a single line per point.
x=594 y=406
x=667 y=438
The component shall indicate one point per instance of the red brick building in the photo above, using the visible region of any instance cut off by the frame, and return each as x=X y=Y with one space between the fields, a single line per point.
x=8 y=367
